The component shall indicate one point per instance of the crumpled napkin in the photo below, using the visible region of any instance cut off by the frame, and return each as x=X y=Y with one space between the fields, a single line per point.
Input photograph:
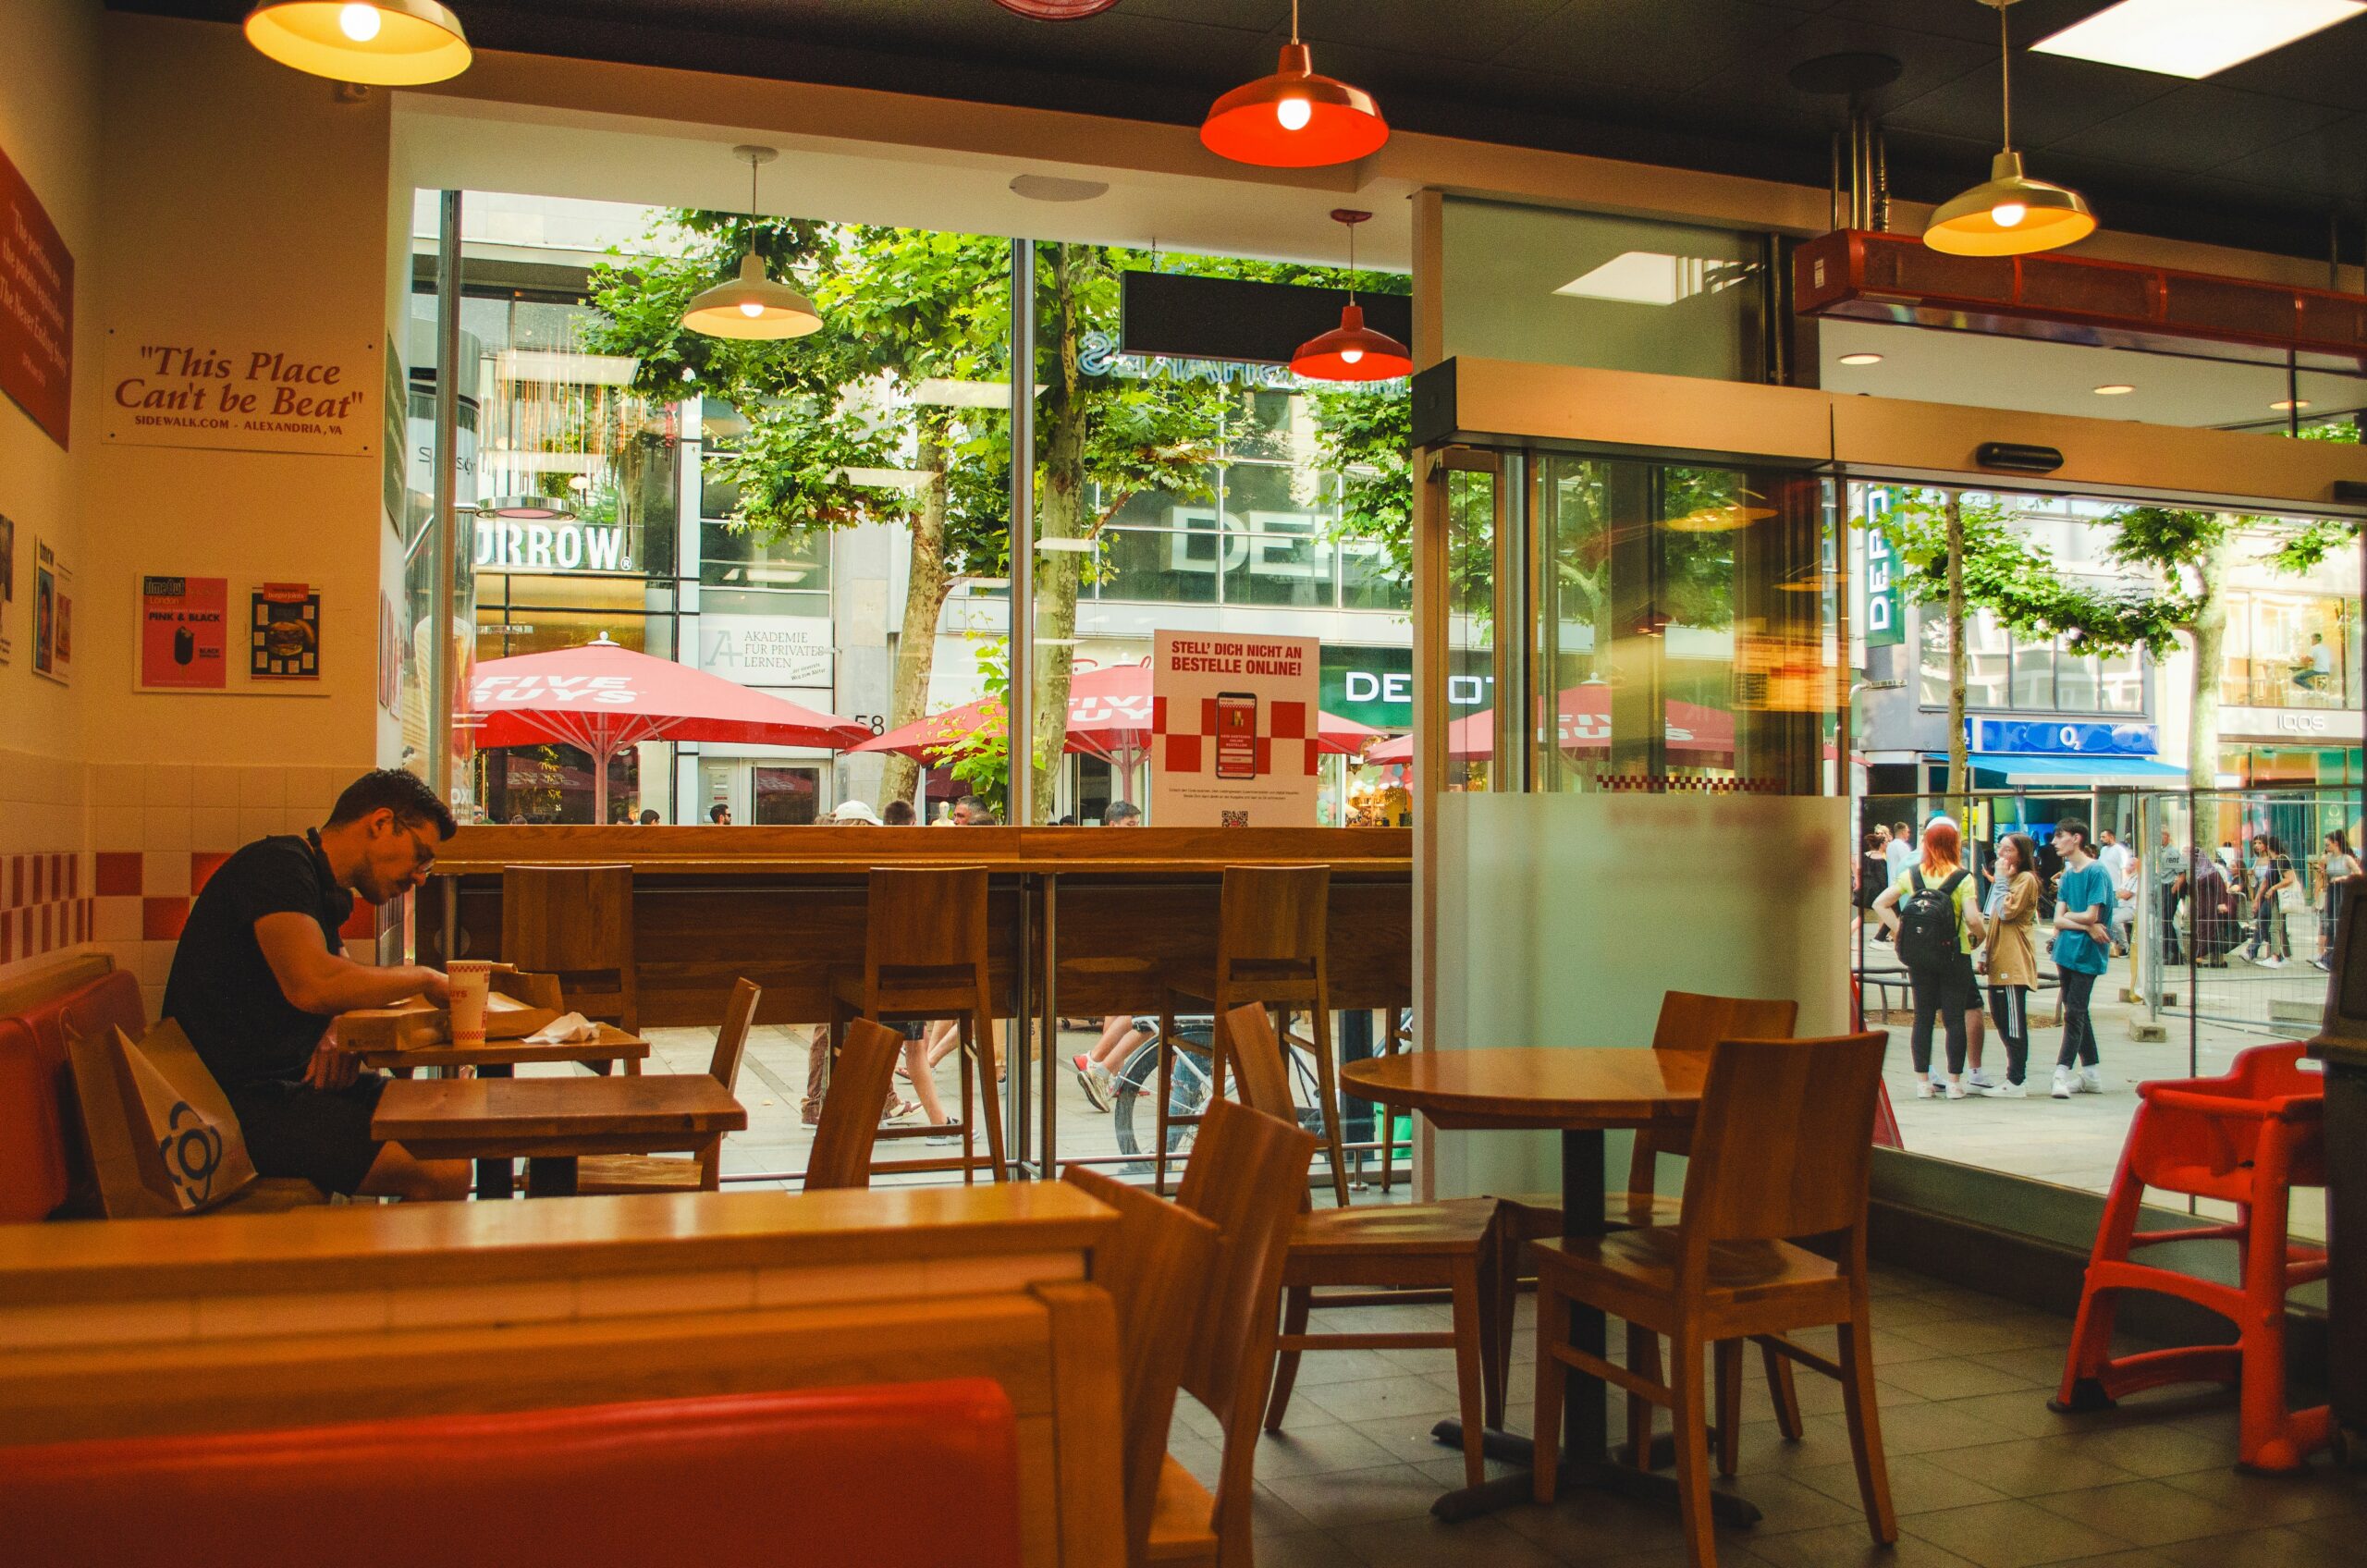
x=565 y=1029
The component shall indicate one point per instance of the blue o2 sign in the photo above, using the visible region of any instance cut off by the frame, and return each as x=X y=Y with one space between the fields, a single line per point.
x=2038 y=737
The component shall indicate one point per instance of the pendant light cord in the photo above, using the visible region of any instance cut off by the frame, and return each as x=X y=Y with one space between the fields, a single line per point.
x=1293 y=21
x=2005 y=70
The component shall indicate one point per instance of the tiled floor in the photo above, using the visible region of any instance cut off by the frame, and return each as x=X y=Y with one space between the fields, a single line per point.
x=1982 y=1471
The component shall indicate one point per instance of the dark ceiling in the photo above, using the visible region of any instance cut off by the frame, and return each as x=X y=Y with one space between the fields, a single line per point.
x=2261 y=156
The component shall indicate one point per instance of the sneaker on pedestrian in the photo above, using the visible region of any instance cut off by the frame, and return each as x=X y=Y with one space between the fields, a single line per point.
x=1956 y=1089
x=1979 y=1081
x=2320 y=962
x=941 y=1140
x=2001 y=1091
x=1923 y=1087
x=2272 y=961
x=1089 y=1078
x=2063 y=1082
x=2092 y=1081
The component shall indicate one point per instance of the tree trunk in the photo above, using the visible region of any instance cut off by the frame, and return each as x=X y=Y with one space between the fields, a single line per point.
x=1960 y=761
x=2208 y=633
x=1059 y=514
x=924 y=604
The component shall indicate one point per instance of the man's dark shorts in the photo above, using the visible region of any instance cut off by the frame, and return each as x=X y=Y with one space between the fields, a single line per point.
x=320 y=1134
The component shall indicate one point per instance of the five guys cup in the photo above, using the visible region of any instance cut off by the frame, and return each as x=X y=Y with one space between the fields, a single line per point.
x=472 y=980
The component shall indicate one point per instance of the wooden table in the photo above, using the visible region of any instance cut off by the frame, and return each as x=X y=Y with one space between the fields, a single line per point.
x=551 y=1121
x=1581 y=1094
x=611 y=1044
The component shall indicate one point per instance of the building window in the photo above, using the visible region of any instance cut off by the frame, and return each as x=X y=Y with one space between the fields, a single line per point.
x=2026 y=676
x=2288 y=651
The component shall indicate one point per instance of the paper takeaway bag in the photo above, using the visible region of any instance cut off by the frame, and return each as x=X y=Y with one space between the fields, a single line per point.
x=162 y=1134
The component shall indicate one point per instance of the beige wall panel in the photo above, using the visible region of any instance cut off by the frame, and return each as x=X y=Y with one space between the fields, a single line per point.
x=1628 y=409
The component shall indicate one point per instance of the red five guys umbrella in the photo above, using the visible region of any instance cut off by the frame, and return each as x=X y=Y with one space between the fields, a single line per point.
x=601 y=698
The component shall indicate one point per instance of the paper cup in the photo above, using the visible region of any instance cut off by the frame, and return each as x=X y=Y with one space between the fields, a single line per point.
x=472 y=980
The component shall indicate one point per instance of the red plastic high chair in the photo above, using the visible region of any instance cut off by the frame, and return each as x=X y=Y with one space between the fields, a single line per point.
x=2247 y=1139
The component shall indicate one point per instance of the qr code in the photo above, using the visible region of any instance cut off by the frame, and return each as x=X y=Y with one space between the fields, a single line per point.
x=1235 y=819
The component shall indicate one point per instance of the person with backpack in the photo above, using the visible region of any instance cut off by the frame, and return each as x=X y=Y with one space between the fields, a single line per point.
x=1934 y=916
x=2082 y=932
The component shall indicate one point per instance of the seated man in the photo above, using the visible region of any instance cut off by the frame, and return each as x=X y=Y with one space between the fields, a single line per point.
x=261 y=973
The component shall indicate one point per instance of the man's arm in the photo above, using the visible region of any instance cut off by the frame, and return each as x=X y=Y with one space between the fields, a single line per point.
x=316 y=980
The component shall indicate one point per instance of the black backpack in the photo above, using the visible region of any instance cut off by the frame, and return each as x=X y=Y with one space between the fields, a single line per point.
x=1927 y=923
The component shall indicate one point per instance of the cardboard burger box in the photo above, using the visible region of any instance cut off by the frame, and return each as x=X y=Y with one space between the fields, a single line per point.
x=520 y=1004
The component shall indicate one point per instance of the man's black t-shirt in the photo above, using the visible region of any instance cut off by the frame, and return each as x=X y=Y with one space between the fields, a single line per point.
x=222 y=991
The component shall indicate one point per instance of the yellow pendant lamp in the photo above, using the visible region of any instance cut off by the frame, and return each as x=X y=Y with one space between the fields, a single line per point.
x=381 y=42
x=751 y=306
x=2009 y=214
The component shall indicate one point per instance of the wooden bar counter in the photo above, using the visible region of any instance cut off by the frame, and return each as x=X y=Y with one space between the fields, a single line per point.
x=785 y=906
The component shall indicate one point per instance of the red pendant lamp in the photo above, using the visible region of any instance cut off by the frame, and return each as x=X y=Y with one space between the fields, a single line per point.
x=1294 y=120
x=1354 y=352
x=1056 y=10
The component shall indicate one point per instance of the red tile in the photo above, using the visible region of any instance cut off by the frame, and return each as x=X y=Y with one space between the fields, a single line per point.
x=362 y=925
x=16 y=881
x=7 y=932
x=86 y=916
x=73 y=876
x=57 y=888
x=33 y=866
x=118 y=872
x=161 y=919
x=46 y=943
x=202 y=863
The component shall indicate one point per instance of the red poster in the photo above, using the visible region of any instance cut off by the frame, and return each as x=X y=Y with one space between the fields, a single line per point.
x=36 y=306
x=184 y=633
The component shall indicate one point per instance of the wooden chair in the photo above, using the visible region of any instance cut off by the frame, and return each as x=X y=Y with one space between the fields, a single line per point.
x=576 y=921
x=924 y=958
x=1272 y=925
x=700 y=1172
x=850 y=1125
x=1155 y=1265
x=1783 y=1149
x=1246 y=1176
x=1688 y=1020
x=1385 y=1248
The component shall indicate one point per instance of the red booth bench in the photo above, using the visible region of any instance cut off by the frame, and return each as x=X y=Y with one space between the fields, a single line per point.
x=887 y=1475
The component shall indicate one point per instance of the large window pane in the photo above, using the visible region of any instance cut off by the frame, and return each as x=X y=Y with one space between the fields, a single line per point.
x=1276 y=551
x=2075 y=679
x=2033 y=675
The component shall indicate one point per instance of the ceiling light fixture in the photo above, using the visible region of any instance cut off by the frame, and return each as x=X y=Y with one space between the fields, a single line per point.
x=751 y=306
x=2009 y=214
x=1055 y=10
x=2193 y=38
x=1351 y=351
x=2115 y=389
x=380 y=43
x=2286 y=405
x=1862 y=359
x=1294 y=119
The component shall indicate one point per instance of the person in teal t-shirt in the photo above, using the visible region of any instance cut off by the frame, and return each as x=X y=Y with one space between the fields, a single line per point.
x=2083 y=905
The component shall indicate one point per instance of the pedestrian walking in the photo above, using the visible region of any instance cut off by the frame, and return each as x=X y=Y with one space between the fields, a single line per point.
x=1936 y=922
x=2339 y=865
x=2083 y=904
x=2272 y=874
x=2013 y=963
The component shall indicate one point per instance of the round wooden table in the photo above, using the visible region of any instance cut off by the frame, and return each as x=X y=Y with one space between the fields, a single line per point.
x=1581 y=1094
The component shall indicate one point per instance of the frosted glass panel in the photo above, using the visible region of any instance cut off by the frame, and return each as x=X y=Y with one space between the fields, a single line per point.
x=1564 y=917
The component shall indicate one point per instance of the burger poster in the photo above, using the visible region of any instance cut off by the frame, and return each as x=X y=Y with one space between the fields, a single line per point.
x=284 y=632
x=184 y=633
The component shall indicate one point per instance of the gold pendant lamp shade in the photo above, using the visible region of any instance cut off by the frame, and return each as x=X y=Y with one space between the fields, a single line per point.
x=2009 y=214
x=380 y=43
x=751 y=306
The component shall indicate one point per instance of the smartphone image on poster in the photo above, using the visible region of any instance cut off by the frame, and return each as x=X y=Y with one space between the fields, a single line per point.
x=1236 y=735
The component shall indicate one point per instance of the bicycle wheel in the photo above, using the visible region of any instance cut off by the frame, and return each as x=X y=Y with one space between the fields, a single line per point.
x=1137 y=1081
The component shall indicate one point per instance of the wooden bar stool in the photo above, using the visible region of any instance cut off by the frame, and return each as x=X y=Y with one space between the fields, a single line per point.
x=1781 y=1153
x=1272 y=927
x=576 y=921
x=701 y=1172
x=924 y=958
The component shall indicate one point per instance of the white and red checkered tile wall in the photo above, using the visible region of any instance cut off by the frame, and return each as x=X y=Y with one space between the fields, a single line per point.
x=108 y=855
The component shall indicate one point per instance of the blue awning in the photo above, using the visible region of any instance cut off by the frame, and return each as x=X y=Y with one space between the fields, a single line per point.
x=2141 y=772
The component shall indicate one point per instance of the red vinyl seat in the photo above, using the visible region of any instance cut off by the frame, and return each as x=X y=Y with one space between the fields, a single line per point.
x=42 y=1158
x=893 y=1476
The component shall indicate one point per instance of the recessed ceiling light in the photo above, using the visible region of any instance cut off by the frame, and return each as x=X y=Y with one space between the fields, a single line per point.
x=2115 y=389
x=2286 y=405
x=1862 y=359
x=2194 y=38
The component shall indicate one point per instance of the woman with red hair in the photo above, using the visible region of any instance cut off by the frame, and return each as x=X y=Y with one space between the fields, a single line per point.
x=1934 y=916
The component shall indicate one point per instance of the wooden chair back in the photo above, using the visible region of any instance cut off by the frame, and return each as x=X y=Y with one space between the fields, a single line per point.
x=924 y=934
x=1690 y=1021
x=1246 y=1176
x=1273 y=915
x=1783 y=1143
x=731 y=1045
x=1246 y=1036
x=1154 y=1266
x=575 y=922
x=850 y=1125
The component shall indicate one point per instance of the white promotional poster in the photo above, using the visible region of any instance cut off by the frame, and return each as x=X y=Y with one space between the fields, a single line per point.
x=1233 y=719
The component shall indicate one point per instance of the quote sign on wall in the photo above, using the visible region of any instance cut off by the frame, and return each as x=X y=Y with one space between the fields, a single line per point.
x=165 y=390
